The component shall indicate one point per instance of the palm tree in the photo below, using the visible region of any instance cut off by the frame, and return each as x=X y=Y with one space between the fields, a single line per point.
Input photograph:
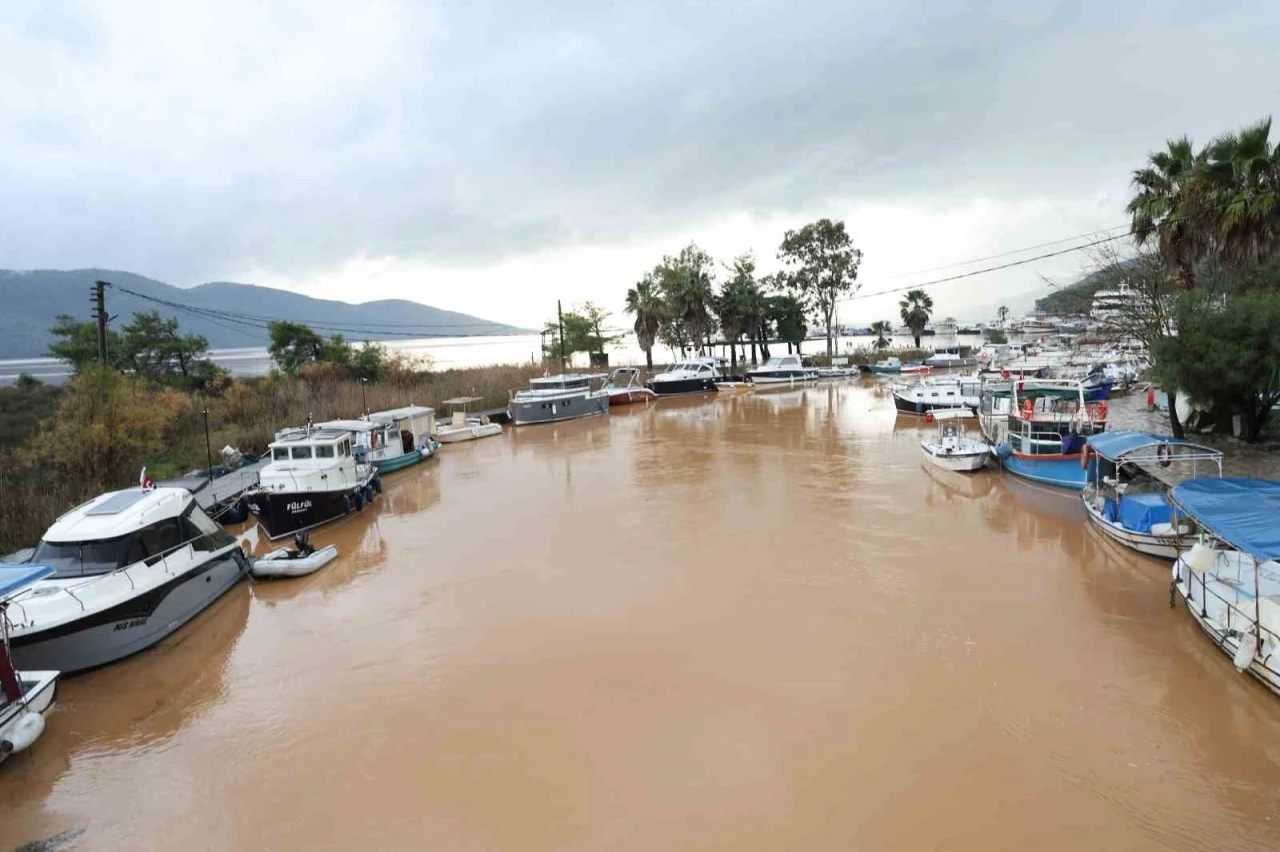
x=1241 y=180
x=916 y=308
x=643 y=301
x=1003 y=314
x=733 y=303
x=684 y=282
x=880 y=328
x=1165 y=207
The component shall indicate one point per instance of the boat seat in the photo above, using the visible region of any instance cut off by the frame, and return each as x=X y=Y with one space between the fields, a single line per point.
x=1167 y=529
x=459 y=419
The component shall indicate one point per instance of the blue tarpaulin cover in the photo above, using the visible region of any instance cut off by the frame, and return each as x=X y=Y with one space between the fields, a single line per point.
x=1112 y=445
x=1139 y=511
x=17 y=576
x=1245 y=513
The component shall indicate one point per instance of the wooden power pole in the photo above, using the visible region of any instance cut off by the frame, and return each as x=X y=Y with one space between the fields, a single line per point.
x=560 y=320
x=100 y=314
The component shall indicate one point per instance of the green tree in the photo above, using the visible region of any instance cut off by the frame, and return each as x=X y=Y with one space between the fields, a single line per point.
x=1241 y=181
x=578 y=336
x=735 y=304
x=915 y=309
x=294 y=344
x=823 y=265
x=755 y=317
x=880 y=328
x=153 y=348
x=77 y=343
x=595 y=339
x=685 y=284
x=1166 y=208
x=997 y=336
x=370 y=361
x=1226 y=354
x=788 y=314
x=1003 y=315
x=645 y=303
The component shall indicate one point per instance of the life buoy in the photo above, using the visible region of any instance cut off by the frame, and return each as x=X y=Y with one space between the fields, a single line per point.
x=1102 y=410
x=1004 y=374
x=1164 y=454
x=928 y=417
x=1028 y=408
x=1084 y=457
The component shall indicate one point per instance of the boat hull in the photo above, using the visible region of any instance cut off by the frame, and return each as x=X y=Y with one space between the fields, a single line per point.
x=284 y=513
x=401 y=461
x=878 y=369
x=1058 y=470
x=119 y=631
x=780 y=377
x=278 y=564
x=680 y=387
x=960 y=462
x=470 y=432
x=910 y=406
x=39 y=694
x=526 y=413
x=1161 y=547
x=630 y=395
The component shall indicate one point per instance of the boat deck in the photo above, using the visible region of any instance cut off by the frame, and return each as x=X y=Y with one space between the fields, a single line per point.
x=222 y=492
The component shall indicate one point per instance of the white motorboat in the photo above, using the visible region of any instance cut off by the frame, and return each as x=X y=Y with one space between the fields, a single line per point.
x=130 y=567
x=294 y=562
x=934 y=393
x=1230 y=578
x=314 y=477
x=624 y=387
x=948 y=357
x=782 y=370
x=463 y=427
x=953 y=449
x=692 y=375
x=1126 y=492
x=25 y=696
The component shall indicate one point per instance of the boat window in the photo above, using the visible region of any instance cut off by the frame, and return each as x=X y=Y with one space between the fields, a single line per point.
x=81 y=558
x=302 y=452
x=324 y=451
x=346 y=447
x=160 y=538
x=279 y=453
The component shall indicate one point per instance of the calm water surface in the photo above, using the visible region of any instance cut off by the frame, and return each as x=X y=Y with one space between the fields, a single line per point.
x=752 y=622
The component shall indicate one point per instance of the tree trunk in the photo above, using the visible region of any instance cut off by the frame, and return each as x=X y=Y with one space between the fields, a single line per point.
x=648 y=358
x=788 y=347
x=754 y=362
x=916 y=335
x=1175 y=425
x=733 y=356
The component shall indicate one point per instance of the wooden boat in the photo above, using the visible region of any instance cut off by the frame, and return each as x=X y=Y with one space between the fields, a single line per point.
x=25 y=696
x=461 y=427
x=1039 y=428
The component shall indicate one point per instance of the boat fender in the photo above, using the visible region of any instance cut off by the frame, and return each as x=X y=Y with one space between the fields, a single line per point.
x=1164 y=454
x=377 y=484
x=25 y=732
x=1003 y=451
x=1246 y=651
x=346 y=504
x=928 y=417
x=359 y=498
x=368 y=493
x=1084 y=457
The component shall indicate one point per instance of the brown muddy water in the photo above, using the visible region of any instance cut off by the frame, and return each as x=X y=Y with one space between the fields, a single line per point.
x=752 y=622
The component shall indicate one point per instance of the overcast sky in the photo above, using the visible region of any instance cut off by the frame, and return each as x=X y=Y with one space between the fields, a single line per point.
x=490 y=158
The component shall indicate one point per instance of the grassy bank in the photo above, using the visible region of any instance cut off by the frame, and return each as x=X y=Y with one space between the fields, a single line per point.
x=100 y=430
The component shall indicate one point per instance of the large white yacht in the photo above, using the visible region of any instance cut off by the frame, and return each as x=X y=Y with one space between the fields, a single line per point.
x=692 y=375
x=782 y=369
x=130 y=567
x=313 y=477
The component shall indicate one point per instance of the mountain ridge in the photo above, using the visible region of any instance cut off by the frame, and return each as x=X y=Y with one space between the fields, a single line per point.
x=33 y=298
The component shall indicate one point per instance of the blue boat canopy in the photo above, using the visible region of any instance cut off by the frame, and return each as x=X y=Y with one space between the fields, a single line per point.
x=16 y=576
x=1113 y=445
x=1245 y=513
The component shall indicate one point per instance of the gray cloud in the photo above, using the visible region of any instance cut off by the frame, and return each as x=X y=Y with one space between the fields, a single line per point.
x=183 y=143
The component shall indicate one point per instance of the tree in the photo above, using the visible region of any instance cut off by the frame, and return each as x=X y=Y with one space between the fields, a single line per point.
x=824 y=267
x=152 y=348
x=1003 y=314
x=595 y=340
x=1241 y=182
x=997 y=337
x=684 y=281
x=1226 y=354
x=577 y=337
x=880 y=328
x=915 y=309
x=294 y=344
x=1165 y=208
x=735 y=304
x=645 y=303
x=787 y=313
x=77 y=343
x=755 y=317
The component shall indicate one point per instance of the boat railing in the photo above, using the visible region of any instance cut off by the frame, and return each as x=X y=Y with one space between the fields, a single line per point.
x=1238 y=620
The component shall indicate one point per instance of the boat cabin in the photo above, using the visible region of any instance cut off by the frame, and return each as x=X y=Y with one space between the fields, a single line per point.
x=319 y=459
x=1040 y=417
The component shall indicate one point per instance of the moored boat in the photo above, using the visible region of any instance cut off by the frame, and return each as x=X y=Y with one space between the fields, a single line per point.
x=1038 y=428
x=953 y=449
x=25 y=696
x=463 y=427
x=929 y=394
x=1126 y=496
x=130 y=567
x=390 y=440
x=1230 y=578
x=624 y=387
x=782 y=370
x=692 y=375
x=314 y=477
x=948 y=357
x=298 y=561
x=553 y=398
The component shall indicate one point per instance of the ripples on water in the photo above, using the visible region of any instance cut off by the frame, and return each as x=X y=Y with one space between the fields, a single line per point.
x=749 y=622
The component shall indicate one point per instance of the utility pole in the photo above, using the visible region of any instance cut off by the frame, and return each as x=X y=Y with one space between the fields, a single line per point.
x=208 y=447
x=560 y=319
x=100 y=314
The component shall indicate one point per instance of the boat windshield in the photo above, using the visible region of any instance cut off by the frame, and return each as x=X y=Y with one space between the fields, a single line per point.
x=81 y=558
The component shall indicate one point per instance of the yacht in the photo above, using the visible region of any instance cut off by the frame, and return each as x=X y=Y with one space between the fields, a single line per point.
x=951 y=356
x=692 y=375
x=935 y=393
x=564 y=397
x=781 y=370
x=25 y=696
x=314 y=477
x=390 y=440
x=129 y=568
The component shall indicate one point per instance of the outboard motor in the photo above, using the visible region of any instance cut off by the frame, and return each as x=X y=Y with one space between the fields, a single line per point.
x=303 y=544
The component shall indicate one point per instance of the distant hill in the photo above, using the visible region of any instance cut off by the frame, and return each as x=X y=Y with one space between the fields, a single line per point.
x=1077 y=298
x=31 y=299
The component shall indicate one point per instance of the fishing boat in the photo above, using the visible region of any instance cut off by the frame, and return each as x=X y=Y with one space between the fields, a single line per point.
x=1230 y=578
x=1038 y=428
x=297 y=561
x=463 y=427
x=949 y=357
x=553 y=398
x=314 y=477
x=894 y=366
x=782 y=370
x=953 y=449
x=624 y=387
x=130 y=567
x=390 y=440
x=692 y=375
x=933 y=393
x=25 y=696
x=1126 y=495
